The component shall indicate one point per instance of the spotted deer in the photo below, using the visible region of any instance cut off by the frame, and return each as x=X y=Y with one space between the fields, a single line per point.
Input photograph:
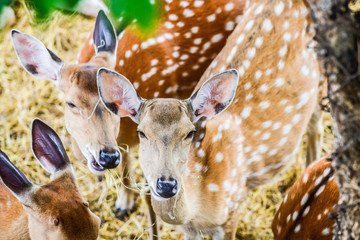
x=55 y=210
x=308 y=210
x=199 y=168
x=166 y=65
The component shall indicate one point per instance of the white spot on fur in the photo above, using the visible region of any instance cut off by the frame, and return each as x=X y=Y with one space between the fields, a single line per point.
x=217 y=38
x=326 y=231
x=229 y=6
x=230 y=26
x=305 y=178
x=249 y=25
x=279 y=8
x=211 y=18
x=320 y=190
x=259 y=41
x=226 y=185
x=259 y=9
x=246 y=112
x=306 y=211
x=263 y=88
x=197 y=167
x=266 y=124
x=304 y=199
x=279 y=82
x=295 y=215
x=213 y=187
x=265 y=136
x=219 y=157
x=240 y=39
x=147 y=75
x=258 y=74
x=251 y=53
x=188 y=13
x=276 y=126
x=200 y=153
x=267 y=25
x=296 y=118
x=286 y=129
x=282 y=141
x=264 y=105
x=173 y=17
x=272 y=152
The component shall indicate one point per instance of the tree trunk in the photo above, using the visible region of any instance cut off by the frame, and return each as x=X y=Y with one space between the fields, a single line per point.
x=336 y=36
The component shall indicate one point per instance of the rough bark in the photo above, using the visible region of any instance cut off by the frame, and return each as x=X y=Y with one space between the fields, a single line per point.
x=337 y=32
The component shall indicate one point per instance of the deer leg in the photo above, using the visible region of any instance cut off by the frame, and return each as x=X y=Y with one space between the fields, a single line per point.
x=125 y=203
x=153 y=226
x=315 y=132
x=230 y=226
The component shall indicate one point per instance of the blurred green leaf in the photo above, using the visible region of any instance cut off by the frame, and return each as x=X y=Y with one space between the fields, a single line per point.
x=145 y=15
x=44 y=7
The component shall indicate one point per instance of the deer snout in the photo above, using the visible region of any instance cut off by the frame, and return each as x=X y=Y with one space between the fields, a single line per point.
x=166 y=188
x=109 y=158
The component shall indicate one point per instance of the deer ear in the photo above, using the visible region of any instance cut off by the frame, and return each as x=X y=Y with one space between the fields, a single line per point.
x=12 y=177
x=215 y=95
x=104 y=36
x=118 y=94
x=47 y=147
x=36 y=59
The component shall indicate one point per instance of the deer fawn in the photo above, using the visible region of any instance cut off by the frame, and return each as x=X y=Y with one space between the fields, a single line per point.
x=168 y=64
x=306 y=208
x=198 y=169
x=52 y=211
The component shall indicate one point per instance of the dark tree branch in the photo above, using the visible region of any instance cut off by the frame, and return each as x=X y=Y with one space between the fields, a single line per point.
x=337 y=32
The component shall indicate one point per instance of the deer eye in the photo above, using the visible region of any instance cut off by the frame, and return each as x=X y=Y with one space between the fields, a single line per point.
x=190 y=135
x=141 y=134
x=71 y=105
x=56 y=221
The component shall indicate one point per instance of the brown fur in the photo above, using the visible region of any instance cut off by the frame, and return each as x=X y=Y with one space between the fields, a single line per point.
x=58 y=201
x=250 y=145
x=311 y=226
x=170 y=84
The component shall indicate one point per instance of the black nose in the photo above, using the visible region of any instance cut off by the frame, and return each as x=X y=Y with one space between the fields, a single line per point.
x=109 y=158
x=166 y=189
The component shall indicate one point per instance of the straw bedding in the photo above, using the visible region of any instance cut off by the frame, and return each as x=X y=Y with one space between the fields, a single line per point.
x=23 y=98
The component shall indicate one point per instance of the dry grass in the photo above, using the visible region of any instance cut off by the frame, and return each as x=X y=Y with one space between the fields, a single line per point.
x=22 y=98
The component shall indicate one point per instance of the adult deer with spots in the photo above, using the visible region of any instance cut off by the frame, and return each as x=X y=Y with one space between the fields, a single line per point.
x=166 y=65
x=55 y=210
x=199 y=169
x=308 y=210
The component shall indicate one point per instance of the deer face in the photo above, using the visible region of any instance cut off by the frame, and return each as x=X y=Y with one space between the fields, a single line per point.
x=166 y=126
x=166 y=131
x=93 y=129
x=56 y=210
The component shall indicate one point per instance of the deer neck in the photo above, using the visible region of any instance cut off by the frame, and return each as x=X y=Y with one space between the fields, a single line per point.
x=13 y=216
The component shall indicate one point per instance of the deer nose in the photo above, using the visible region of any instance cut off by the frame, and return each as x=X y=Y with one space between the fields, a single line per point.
x=166 y=189
x=109 y=158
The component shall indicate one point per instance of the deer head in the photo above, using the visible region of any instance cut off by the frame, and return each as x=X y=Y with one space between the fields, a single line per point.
x=55 y=210
x=92 y=127
x=166 y=127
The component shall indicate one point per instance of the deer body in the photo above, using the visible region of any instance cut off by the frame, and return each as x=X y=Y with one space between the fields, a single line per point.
x=55 y=210
x=306 y=209
x=198 y=185
x=277 y=92
x=165 y=65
